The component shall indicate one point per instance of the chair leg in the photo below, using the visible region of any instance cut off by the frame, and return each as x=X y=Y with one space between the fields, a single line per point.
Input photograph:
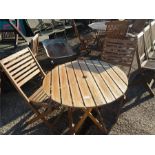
x=16 y=40
x=37 y=117
x=148 y=85
x=41 y=116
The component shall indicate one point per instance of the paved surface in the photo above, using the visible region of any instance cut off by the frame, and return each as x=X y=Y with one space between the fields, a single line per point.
x=137 y=115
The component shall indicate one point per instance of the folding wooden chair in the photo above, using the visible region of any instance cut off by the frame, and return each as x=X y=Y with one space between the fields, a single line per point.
x=120 y=52
x=27 y=39
x=21 y=68
x=11 y=34
x=149 y=47
x=144 y=63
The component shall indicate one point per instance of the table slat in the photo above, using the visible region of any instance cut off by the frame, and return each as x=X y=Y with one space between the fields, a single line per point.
x=55 y=85
x=100 y=82
x=114 y=76
x=121 y=74
x=65 y=91
x=97 y=95
x=87 y=97
x=47 y=83
x=108 y=80
x=75 y=91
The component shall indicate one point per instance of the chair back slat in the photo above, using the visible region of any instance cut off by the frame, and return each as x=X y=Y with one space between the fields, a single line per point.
x=20 y=72
x=20 y=58
x=153 y=31
x=147 y=39
x=19 y=63
x=30 y=63
x=116 y=29
x=27 y=77
x=21 y=67
x=119 y=52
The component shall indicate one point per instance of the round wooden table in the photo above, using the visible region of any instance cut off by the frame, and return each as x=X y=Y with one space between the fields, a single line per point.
x=98 y=26
x=86 y=84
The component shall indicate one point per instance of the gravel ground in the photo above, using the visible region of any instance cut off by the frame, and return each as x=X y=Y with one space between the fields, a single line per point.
x=137 y=115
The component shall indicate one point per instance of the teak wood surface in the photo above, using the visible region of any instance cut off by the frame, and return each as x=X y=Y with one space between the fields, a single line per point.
x=86 y=84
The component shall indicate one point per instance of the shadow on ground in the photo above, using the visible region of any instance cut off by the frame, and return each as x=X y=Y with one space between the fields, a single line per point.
x=19 y=113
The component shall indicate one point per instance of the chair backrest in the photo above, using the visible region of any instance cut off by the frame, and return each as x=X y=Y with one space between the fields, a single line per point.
x=83 y=45
x=138 y=25
x=153 y=31
x=7 y=35
x=76 y=30
x=141 y=52
x=36 y=24
x=17 y=30
x=119 y=52
x=20 y=68
x=116 y=29
x=148 y=39
x=35 y=44
x=48 y=23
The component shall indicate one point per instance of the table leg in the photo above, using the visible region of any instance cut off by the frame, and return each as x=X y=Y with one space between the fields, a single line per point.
x=88 y=113
x=101 y=120
x=70 y=121
x=83 y=118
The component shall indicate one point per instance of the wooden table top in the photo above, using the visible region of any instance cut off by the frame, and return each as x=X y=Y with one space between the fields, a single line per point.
x=100 y=26
x=86 y=83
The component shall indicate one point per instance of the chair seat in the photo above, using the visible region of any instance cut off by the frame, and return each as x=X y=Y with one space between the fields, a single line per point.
x=88 y=37
x=39 y=96
x=148 y=64
x=41 y=99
